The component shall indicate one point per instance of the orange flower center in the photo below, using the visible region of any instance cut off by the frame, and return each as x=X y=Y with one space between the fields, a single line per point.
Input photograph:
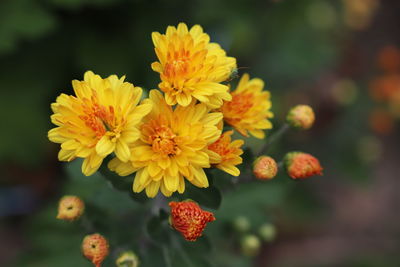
x=241 y=102
x=163 y=141
x=97 y=117
x=176 y=68
x=221 y=146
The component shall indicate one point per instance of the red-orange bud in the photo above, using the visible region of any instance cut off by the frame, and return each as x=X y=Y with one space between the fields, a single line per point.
x=265 y=168
x=301 y=165
x=70 y=208
x=189 y=219
x=95 y=248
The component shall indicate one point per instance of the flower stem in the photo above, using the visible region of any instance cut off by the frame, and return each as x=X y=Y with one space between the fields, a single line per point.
x=274 y=137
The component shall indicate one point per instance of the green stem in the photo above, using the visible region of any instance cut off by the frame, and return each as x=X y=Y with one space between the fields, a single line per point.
x=185 y=257
x=166 y=256
x=274 y=137
x=86 y=224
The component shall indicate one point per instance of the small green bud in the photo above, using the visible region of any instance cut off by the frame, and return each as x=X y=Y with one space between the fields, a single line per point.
x=250 y=245
x=241 y=224
x=127 y=259
x=267 y=232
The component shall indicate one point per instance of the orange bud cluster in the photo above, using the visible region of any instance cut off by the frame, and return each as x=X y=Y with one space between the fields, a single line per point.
x=95 y=248
x=189 y=219
x=301 y=165
x=70 y=208
x=301 y=117
x=265 y=168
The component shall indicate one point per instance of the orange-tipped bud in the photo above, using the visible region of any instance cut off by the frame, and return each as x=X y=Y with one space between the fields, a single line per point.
x=301 y=117
x=95 y=248
x=301 y=165
x=127 y=259
x=265 y=168
x=189 y=219
x=70 y=208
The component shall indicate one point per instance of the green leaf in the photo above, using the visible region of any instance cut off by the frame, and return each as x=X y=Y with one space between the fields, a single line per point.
x=118 y=182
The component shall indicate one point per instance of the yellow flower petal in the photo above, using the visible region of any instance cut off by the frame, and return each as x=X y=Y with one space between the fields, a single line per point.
x=105 y=146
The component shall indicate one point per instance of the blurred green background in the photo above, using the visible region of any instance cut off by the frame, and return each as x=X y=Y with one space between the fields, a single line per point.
x=317 y=52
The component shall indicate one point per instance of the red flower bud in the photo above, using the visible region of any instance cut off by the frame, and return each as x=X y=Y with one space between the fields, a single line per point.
x=95 y=248
x=189 y=219
x=301 y=165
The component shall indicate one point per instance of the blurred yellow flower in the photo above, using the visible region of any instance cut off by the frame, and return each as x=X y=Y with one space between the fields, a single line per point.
x=229 y=151
x=249 y=109
x=102 y=118
x=191 y=67
x=173 y=145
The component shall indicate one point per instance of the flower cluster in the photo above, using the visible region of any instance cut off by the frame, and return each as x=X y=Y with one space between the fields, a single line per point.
x=176 y=133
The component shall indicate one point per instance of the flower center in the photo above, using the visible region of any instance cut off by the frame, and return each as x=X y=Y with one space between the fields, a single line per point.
x=177 y=67
x=241 y=102
x=221 y=147
x=99 y=118
x=163 y=141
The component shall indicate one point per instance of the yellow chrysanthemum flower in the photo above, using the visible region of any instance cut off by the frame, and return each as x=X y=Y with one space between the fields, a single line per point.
x=102 y=118
x=230 y=153
x=173 y=145
x=249 y=109
x=191 y=67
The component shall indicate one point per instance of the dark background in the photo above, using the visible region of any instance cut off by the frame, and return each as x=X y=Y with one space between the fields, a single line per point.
x=317 y=52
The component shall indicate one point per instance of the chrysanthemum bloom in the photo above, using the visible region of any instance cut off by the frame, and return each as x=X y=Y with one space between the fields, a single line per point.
x=191 y=67
x=265 y=168
x=70 y=208
x=301 y=165
x=229 y=152
x=189 y=219
x=249 y=109
x=301 y=117
x=95 y=248
x=173 y=145
x=127 y=259
x=102 y=118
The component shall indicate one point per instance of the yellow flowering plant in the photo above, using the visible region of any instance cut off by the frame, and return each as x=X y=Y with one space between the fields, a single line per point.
x=180 y=144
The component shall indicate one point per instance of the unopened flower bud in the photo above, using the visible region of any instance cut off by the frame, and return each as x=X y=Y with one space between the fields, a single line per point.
x=241 y=224
x=301 y=117
x=127 y=259
x=189 y=219
x=301 y=165
x=267 y=232
x=250 y=245
x=265 y=168
x=95 y=248
x=70 y=208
